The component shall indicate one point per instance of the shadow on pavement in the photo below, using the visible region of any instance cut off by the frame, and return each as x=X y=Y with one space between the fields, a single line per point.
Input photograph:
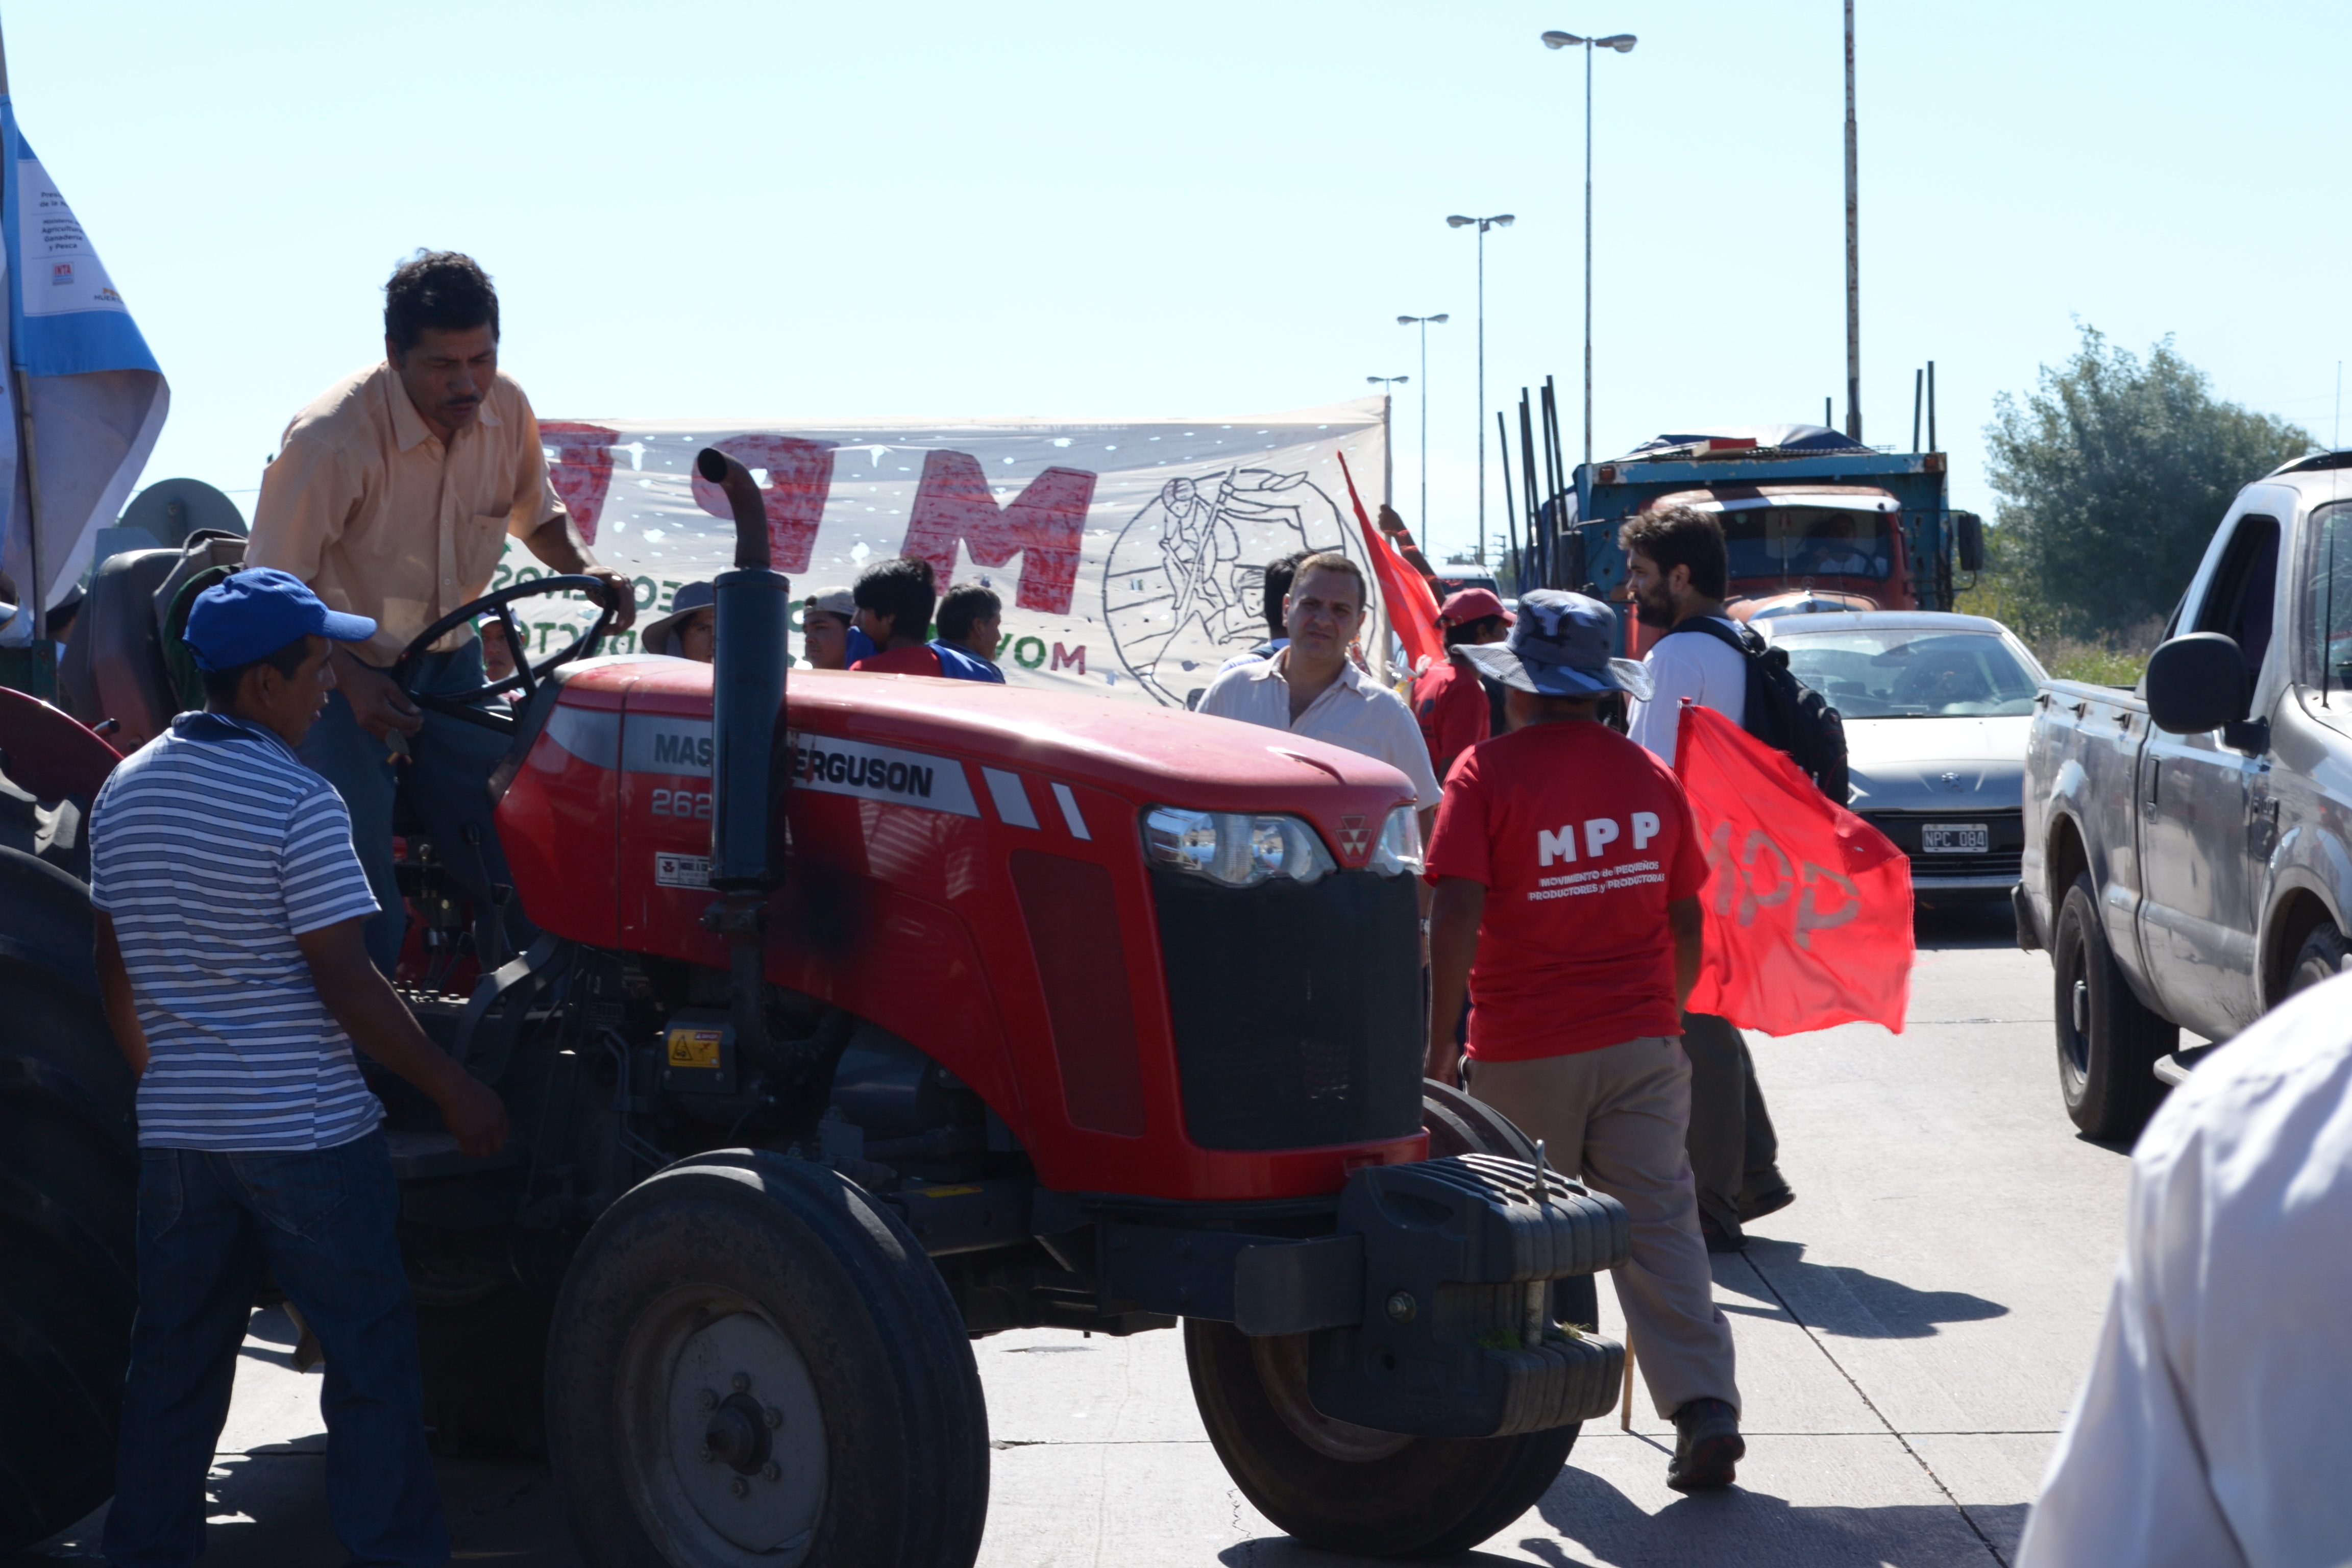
x=1855 y=1303
x=1964 y=922
x=1757 y=1531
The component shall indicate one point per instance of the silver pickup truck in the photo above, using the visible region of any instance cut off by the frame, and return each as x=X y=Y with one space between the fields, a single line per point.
x=2188 y=856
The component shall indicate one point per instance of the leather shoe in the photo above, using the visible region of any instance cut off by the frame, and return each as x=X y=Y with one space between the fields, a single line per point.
x=1719 y=1239
x=1707 y=1447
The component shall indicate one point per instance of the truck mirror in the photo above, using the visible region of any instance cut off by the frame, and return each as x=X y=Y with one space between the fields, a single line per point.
x=2197 y=683
x=1967 y=539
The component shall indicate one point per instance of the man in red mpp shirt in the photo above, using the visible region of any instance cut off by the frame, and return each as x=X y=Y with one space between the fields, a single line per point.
x=1449 y=700
x=1567 y=870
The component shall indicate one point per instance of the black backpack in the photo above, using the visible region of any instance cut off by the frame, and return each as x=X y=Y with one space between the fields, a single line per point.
x=1784 y=712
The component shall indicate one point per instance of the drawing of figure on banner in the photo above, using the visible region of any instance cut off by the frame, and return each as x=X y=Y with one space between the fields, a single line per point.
x=1182 y=586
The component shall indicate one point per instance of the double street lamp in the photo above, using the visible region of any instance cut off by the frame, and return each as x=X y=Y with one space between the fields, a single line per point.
x=1422 y=521
x=1623 y=44
x=1498 y=220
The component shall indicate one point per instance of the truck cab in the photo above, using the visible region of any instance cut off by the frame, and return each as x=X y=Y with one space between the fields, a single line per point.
x=1814 y=521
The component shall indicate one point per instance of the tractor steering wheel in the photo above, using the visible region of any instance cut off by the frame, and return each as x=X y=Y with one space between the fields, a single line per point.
x=527 y=676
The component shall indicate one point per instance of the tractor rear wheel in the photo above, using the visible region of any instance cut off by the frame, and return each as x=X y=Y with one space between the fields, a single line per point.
x=753 y=1362
x=69 y=1205
x=1344 y=1487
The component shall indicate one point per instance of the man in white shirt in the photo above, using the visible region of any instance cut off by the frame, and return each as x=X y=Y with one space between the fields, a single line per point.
x=1309 y=687
x=2211 y=1432
x=1677 y=568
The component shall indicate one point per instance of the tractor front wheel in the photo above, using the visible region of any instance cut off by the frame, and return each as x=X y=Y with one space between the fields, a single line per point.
x=753 y=1363
x=1345 y=1488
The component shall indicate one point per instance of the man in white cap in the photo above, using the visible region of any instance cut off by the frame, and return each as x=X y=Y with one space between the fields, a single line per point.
x=829 y=635
x=1567 y=870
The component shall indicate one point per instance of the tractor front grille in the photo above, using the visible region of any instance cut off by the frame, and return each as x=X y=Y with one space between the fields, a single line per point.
x=1297 y=1009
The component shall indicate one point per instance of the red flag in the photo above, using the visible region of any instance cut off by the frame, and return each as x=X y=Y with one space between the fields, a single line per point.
x=1808 y=905
x=1412 y=609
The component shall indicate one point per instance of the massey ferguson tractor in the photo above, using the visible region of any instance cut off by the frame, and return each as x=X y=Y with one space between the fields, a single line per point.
x=863 y=1021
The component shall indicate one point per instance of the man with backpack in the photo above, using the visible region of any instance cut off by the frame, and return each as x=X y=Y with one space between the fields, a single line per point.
x=1677 y=568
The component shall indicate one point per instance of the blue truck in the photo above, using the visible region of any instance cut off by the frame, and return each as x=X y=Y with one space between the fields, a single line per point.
x=1814 y=520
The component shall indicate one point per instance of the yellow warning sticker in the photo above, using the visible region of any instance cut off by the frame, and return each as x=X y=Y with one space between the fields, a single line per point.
x=943 y=1192
x=690 y=1047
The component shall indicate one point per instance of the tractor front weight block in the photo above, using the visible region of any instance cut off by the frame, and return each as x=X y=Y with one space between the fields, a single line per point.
x=1427 y=1307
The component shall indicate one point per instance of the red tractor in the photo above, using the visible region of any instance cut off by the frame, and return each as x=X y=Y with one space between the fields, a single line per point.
x=862 y=1024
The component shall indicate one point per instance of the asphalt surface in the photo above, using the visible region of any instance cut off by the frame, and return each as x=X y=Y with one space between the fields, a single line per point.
x=1910 y=1333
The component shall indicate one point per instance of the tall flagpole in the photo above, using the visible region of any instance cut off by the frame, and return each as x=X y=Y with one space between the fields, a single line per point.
x=33 y=596
x=1852 y=248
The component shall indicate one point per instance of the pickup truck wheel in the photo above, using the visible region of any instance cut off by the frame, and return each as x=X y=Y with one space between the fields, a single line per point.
x=753 y=1363
x=2321 y=959
x=2108 y=1043
x=1342 y=1487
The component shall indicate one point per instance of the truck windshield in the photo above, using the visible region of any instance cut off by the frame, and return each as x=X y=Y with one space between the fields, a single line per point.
x=1794 y=542
x=1911 y=674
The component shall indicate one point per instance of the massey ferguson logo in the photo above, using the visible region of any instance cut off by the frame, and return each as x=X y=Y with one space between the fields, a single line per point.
x=1355 y=838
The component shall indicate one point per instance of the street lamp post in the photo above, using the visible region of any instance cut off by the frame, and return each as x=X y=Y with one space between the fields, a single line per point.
x=1623 y=44
x=1388 y=447
x=1498 y=220
x=1422 y=523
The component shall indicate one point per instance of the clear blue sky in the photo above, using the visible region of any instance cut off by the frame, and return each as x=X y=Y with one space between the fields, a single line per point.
x=782 y=209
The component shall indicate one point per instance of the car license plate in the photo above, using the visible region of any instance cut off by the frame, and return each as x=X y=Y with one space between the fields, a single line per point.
x=1955 y=838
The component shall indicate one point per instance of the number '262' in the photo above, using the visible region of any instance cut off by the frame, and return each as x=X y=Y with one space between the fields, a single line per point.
x=681 y=803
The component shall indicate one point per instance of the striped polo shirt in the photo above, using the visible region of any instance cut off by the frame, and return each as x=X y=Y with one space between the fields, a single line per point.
x=211 y=847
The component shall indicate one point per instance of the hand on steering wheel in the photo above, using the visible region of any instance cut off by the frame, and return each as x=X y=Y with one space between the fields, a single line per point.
x=527 y=676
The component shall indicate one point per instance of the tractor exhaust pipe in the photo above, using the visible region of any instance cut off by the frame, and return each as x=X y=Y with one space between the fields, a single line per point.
x=747 y=691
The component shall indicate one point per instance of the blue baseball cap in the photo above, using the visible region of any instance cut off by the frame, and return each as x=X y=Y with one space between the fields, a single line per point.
x=1560 y=646
x=249 y=615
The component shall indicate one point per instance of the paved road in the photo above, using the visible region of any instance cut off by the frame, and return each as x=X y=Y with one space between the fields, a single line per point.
x=1910 y=1333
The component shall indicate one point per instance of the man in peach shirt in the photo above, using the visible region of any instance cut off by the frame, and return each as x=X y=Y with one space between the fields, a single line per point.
x=392 y=496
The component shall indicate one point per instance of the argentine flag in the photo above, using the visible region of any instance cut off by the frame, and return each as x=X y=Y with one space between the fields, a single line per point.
x=93 y=397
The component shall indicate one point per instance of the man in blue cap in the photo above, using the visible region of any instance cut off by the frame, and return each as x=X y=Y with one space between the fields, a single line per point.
x=237 y=981
x=1567 y=871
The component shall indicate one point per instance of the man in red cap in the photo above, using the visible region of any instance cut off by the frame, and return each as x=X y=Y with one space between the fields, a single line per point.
x=1450 y=701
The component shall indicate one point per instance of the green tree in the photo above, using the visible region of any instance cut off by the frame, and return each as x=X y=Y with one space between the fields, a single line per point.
x=2111 y=478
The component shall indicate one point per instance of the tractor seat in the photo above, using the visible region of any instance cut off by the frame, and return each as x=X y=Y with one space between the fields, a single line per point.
x=117 y=665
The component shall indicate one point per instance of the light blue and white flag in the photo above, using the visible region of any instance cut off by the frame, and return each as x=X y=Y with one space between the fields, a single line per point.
x=94 y=398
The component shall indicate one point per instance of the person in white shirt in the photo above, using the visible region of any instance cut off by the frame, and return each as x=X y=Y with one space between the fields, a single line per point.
x=2211 y=1431
x=1678 y=567
x=1310 y=688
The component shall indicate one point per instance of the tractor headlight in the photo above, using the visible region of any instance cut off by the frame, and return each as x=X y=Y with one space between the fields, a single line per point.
x=1238 y=850
x=1398 y=854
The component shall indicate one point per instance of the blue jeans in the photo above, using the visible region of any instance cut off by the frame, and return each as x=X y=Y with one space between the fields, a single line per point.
x=445 y=784
x=323 y=1221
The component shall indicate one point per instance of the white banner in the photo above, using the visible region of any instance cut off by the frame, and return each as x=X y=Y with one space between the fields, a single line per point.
x=1130 y=557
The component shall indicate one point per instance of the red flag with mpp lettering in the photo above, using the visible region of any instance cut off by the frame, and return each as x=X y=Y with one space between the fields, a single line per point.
x=1808 y=905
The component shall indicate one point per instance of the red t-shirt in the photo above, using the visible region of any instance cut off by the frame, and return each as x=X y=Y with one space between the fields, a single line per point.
x=1581 y=839
x=916 y=658
x=1453 y=709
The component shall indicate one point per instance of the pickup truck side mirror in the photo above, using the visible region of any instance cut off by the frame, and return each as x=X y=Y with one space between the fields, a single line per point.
x=1968 y=541
x=2197 y=683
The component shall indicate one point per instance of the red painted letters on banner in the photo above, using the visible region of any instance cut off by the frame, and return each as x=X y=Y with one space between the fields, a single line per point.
x=800 y=478
x=1043 y=526
x=582 y=470
x=1808 y=905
